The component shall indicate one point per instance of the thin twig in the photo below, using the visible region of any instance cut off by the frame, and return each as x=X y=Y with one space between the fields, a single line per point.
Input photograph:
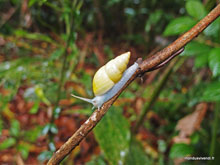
x=147 y=64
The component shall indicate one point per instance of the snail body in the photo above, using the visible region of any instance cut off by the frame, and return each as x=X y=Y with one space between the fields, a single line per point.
x=109 y=79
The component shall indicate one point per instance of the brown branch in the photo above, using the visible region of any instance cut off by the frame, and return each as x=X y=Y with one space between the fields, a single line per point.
x=144 y=66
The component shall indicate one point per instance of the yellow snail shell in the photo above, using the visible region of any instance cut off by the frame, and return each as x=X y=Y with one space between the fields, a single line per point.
x=109 y=79
x=110 y=74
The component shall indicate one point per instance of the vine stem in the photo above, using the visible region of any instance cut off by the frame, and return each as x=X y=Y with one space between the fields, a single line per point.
x=144 y=66
x=63 y=71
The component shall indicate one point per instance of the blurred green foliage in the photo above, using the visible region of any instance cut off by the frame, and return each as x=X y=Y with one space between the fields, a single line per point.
x=46 y=53
x=115 y=126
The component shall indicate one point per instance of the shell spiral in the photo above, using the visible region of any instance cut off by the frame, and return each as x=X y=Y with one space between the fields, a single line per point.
x=110 y=74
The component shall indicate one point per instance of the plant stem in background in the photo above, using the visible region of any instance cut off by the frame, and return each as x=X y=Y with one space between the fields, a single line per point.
x=164 y=78
x=64 y=68
x=214 y=130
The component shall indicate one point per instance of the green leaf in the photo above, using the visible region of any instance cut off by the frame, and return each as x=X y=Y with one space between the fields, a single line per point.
x=11 y=73
x=52 y=146
x=179 y=150
x=201 y=60
x=15 y=2
x=50 y=127
x=195 y=9
x=56 y=54
x=53 y=128
x=154 y=18
x=195 y=137
x=162 y=146
x=214 y=61
x=45 y=155
x=46 y=129
x=211 y=92
x=32 y=134
x=195 y=48
x=56 y=112
x=137 y=155
x=7 y=143
x=31 y=2
x=40 y=93
x=200 y=51
x=113 y=135
x=213 y=30
x=35 y=107
x=15 y=128
x=24 y=150
x=33 y=36
x=179 y=25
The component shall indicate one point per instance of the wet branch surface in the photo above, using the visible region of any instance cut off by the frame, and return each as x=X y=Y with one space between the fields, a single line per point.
x=144 y=66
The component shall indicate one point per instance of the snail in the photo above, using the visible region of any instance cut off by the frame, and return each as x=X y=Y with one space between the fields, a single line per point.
x=109 y=79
